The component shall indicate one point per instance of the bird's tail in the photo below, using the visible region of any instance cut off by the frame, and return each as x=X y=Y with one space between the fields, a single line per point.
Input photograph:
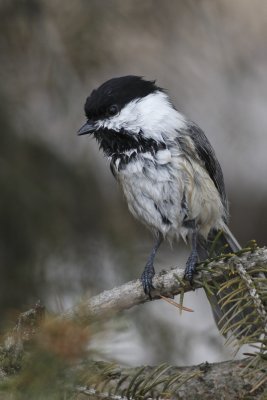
x=225 y=313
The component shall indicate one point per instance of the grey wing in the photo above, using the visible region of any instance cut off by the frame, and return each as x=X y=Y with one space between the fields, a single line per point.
x=206 y=154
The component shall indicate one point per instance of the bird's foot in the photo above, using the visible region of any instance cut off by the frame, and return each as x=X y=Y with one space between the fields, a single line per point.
x=190 y=268
x=146 y=279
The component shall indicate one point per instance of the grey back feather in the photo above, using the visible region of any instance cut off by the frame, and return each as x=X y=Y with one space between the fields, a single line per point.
x=205 y=153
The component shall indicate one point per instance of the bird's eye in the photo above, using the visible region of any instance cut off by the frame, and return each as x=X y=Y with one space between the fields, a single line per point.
x=112 y=110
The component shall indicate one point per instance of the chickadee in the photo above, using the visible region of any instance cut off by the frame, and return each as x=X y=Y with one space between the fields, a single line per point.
x=165 y=165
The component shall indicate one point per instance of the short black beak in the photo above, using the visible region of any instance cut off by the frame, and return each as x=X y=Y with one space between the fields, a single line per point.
x=87 y=128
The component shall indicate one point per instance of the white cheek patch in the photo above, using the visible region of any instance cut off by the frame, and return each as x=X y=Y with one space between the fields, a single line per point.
x=153 y=115
x=157 y=117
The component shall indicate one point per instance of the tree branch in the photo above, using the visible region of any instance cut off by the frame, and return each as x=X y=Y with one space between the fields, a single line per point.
x=208 y=381
x=216 y=381
x=167 y=284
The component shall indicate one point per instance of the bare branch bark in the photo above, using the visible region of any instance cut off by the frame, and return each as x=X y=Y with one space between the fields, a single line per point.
x=167 y=284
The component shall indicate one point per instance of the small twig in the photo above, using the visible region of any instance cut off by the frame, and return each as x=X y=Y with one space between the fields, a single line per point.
x=175 y=304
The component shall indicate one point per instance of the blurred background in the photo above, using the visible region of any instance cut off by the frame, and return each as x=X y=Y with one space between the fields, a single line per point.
x=64 y=227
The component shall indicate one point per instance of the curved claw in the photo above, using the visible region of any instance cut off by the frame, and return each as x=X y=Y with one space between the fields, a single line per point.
x=189 y=277
x=190 y=268
x=146 y=279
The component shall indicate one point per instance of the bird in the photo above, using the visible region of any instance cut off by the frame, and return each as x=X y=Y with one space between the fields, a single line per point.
x=165 y=165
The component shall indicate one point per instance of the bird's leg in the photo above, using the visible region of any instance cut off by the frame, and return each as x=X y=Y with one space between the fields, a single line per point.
x=149 y=272
x=190 y=268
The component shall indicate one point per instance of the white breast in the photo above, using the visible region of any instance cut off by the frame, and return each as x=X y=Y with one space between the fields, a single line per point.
x=155 y=187
x=154 y=190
